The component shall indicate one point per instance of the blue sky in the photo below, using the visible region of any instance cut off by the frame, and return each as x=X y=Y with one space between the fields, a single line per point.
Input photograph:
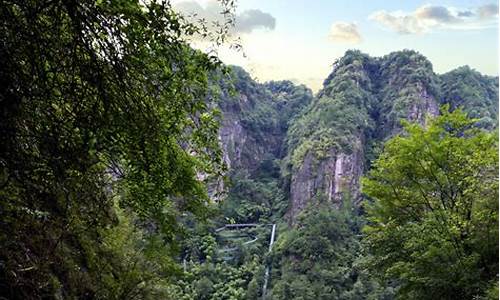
x=299 y=39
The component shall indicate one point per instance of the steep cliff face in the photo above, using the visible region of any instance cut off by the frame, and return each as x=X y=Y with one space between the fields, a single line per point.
x=327 y=180
x=255 y=119
x=408 y=90
x=254 y=126
x=362 y=104
x=327 y=143
x=242 y=130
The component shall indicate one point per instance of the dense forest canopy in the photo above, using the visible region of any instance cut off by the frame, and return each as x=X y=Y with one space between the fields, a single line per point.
x=133 y=166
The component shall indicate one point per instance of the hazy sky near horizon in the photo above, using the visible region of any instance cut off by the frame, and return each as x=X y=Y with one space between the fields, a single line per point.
x=299 y=40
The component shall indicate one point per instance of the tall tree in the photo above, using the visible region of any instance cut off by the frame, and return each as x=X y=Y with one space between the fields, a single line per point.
x=433 y=214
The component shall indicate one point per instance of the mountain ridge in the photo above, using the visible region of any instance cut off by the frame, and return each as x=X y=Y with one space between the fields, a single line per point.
x=296 y=160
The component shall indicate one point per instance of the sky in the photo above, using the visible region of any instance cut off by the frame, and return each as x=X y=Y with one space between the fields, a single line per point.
x=299 y=40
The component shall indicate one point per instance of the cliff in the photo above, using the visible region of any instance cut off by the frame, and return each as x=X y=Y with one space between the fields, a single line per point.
x=255 y=118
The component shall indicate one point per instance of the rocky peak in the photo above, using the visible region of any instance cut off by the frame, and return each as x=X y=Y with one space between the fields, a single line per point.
x=363 y=101
x=326 y=143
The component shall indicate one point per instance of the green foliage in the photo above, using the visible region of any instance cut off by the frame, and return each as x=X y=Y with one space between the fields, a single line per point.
x=254 y=200
x=131 y=263
x=319 y=258
x=108 y=122
x=408 y=87
x=363 y=102
x=433 y=222
x=290 y=100
x=217 y=266
x=492 y=292
x=475 y=93
x=264 y=109
x=338 y=117
x=232 y=269
x=365 y=99
x=98 y=99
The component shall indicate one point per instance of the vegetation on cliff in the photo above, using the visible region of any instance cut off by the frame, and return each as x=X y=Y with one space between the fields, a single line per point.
x=362 y=104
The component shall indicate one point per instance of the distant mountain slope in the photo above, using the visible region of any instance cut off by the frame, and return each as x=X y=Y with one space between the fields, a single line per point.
x=476 y=93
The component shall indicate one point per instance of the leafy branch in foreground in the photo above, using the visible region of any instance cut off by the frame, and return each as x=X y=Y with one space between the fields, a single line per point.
x=98 y=98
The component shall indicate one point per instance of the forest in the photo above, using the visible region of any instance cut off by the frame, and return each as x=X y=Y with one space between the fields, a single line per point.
x=134 y=166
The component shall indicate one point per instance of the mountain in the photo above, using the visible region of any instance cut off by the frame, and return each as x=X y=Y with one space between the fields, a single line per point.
x=133 y=166
x=296 y=160
x=476 y=93
x=362 y=104
x=317 y=148
x=255 y=118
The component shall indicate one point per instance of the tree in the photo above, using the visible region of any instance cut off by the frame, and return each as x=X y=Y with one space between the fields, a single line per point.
x=433 y=209
x=319 y=258
x=98 y=99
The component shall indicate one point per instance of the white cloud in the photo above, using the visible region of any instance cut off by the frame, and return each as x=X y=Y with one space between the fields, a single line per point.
x=429 y=17
x=211 y=11
x=397 y=21
x=251 y=19
x=345 y=32
x=488 y=11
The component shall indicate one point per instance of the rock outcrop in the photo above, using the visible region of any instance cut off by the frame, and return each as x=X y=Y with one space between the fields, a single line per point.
x=255 y=119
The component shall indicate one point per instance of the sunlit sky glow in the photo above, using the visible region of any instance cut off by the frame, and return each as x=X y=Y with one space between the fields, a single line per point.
x=298 y=40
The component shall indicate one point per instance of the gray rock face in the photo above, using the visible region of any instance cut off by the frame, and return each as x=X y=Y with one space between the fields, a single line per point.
x=426 y=105
x=244 y=146
x=241 y=150
x=255 y=119
x=327 y=180
x=234 y=140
